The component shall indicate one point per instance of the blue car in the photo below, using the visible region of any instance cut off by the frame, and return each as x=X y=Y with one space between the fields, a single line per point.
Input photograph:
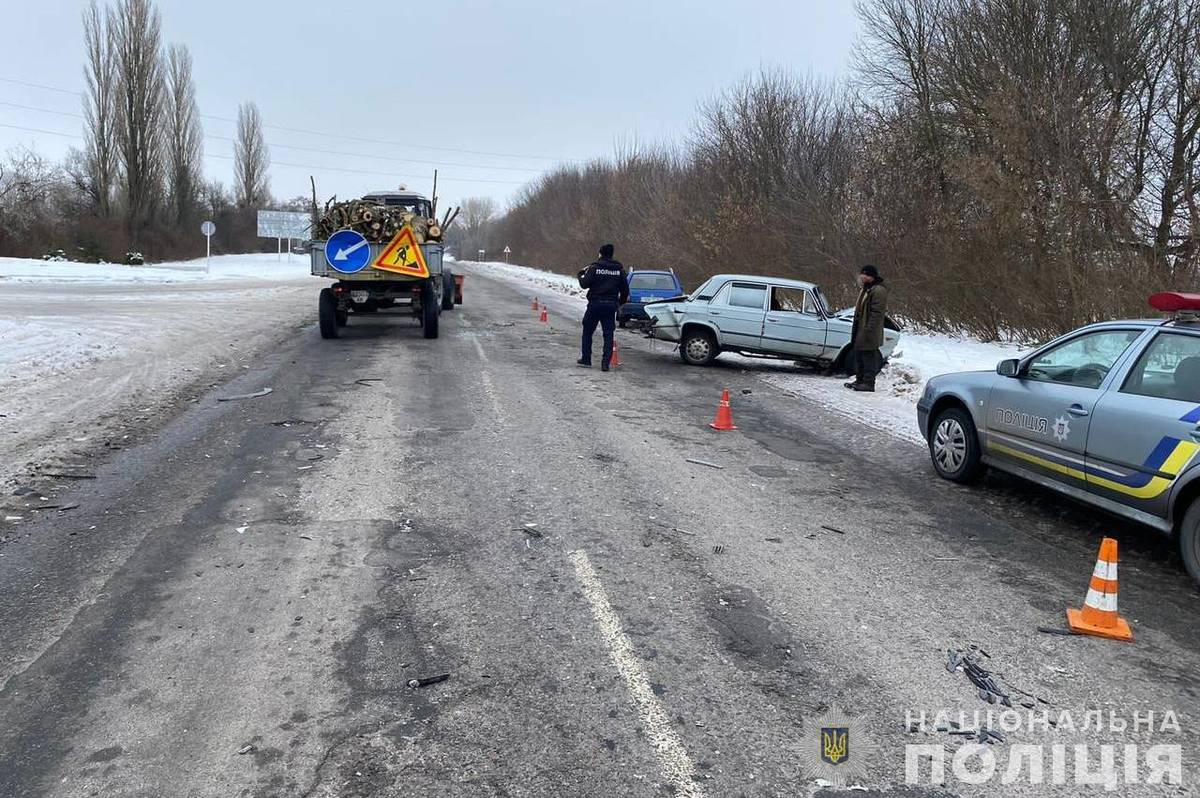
x=647 y=287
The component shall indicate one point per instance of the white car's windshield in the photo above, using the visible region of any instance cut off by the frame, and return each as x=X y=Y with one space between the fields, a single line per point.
x=701 y=291
x=821 y=303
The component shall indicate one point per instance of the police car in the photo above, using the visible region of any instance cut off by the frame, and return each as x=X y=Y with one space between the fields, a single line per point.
x=1108 y=414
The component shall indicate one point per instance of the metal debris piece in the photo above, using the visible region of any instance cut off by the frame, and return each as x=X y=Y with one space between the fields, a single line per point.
x=247 y=749
x=254 y=395
x=832 y=529
x=368 y=380
x=62 y=475
x=1052 y=630
x=718 y=549
x=773 y=540
x=704 y=463
x=428 y=680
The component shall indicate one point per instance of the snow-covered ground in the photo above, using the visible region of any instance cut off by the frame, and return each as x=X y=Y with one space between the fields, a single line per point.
x=254 y=267
x=86 y=348
x=524 y=275
x=893 y=407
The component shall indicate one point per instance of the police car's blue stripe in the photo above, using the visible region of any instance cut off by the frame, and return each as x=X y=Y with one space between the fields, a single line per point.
x=1193 y=416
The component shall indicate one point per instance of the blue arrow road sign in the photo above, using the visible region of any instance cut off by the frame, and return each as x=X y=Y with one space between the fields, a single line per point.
x=347 y=251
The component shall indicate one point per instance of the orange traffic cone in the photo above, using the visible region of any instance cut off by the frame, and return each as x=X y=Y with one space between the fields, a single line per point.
x=545 y=316
x=535 y=303
x=724 y=419
x=616 y=356
x=1099 y=614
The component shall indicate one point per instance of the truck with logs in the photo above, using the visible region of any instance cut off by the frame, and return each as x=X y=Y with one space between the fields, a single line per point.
x=383 y=251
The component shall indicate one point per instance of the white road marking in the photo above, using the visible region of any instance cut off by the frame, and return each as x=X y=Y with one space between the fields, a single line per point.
x=489 y=389
x=673 y=759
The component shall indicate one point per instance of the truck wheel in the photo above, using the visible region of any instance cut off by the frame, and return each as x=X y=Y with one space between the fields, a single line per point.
x=447 y=291
x=327 y=314
x=1189 y=541
x=430 y=309
x=954 y=446
x=698 y=347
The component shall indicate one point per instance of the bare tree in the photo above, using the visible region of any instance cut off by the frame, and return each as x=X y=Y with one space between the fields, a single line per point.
x=141 y=91
x=100 y=110
x=184 y=145
x=251 y=159
x=474 y=225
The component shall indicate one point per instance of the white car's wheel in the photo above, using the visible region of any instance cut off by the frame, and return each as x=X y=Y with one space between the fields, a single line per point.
x=698 y=347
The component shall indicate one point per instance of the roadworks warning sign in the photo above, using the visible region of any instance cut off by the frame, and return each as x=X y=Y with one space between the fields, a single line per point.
x=403 y=256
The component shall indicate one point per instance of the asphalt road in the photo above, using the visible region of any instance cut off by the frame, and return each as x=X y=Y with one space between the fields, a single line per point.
x=238 y=604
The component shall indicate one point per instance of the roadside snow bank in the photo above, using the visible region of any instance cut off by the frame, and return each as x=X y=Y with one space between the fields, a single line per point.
x=893 y=406
x=256 y=266
x=89 y=351
x=524 y=275
x=37 y=347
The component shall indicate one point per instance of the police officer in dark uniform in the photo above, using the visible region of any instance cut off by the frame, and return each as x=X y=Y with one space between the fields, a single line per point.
x=607 y=290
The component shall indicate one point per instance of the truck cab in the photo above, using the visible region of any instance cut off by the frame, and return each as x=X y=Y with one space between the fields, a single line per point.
x=409 y=200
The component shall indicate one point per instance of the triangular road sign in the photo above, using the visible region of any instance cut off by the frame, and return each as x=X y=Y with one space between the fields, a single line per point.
x=403 y=256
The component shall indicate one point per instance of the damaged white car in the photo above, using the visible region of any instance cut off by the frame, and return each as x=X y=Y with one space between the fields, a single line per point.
x=760 y=317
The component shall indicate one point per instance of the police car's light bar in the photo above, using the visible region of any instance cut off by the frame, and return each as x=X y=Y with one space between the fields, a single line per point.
x=1175 y=302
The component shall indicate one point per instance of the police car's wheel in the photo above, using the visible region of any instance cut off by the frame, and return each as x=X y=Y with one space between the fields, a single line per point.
x=954 y=446
x=1189 y=541
x=698 y=348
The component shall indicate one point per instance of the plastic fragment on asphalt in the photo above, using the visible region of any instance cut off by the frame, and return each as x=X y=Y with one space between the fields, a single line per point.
x=254 y=395
x=718 y=549
x=246 y=749
x=704 y=463
x=1052 y=630
x=832 y=529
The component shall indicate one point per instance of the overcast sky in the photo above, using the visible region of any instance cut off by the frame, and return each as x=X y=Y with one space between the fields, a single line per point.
x=506 y=88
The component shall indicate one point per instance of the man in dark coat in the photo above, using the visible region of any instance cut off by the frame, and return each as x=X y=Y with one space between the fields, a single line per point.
x=608 y=289
x=866 y=336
